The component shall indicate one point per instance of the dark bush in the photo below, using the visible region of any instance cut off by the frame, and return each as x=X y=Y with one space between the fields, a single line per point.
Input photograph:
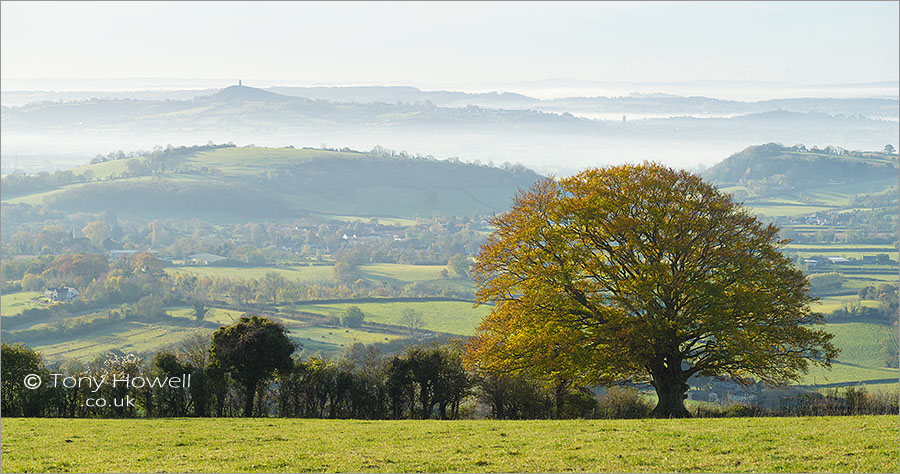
x=621 y=402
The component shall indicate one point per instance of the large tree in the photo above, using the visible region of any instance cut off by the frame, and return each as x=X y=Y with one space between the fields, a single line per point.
x=251 y=350
x=641 y=273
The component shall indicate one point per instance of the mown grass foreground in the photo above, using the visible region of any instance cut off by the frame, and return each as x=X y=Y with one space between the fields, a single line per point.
x=820 y=444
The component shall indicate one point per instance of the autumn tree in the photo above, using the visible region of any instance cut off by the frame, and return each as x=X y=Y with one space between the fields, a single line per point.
x=641 y=273
x=274 y=284
x=96 y=232
x=251 y=350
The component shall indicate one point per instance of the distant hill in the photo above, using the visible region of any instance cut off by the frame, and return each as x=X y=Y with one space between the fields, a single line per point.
x=247 y=94
x=280 y=182
x=552 y=136
x=394 y=94
x=798 y=167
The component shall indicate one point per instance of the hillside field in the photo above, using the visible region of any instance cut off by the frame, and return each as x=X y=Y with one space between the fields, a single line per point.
x=821 y=444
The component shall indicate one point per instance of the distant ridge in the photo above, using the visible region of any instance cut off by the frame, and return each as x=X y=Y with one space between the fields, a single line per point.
x=796 y=167
x=242 y=93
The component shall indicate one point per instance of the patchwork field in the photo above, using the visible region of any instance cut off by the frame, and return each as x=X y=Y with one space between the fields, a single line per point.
x=455 y=317
x=332 y=342
x=822 y=444
x=14 y=303
x=375 y=272
x=125 y=336
x=294 y=273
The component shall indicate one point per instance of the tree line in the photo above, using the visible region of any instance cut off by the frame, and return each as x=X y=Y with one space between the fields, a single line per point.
x=247 y=369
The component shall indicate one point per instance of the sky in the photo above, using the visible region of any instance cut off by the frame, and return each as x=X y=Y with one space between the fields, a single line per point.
x=447 y=44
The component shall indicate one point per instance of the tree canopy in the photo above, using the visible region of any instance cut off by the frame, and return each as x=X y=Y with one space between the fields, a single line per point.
x=641 y=273
x=251 y=350
x=353 y=317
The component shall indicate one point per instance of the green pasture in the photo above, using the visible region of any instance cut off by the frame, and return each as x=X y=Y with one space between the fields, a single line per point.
x=455 y=317
x=219 y=316
x=861 y=343
x=803 y=444
x=126 y=336
x=374 y=272
x=294 y=272
x=876 y=279
x=873 y=248
x=331 y=341
x=255 y=161
x=406 y=273
x=40 y=198
x=105 y=170
x=838 y=191
x=785 y=210
x=827 y=304
x=846 y=373
x=37 y=199
x=861 y=358
x=12 y=304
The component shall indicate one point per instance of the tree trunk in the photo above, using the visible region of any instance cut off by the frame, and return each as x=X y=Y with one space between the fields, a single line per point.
x=559 y=394
x=671 y=387
x=250 y=391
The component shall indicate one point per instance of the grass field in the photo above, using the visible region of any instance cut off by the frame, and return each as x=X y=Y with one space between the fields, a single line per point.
x=126 y=336
x=333 y=341
x=861 y=358
x=455 y=317
x=407 y=273
x=847 y=373
x=295 y=273
x=255 y=161
x=823 y=444
x=12 y=304
x=827 y=304
x=860 y=343
x=373 y=272
x=216 y=315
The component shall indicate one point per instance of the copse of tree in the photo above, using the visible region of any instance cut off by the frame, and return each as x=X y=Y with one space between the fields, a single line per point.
x=824 y=282
x=200 y=308
x=460 y=265
x=352 y=317
x=251 y=350
x=642 y=273
x=151 y=308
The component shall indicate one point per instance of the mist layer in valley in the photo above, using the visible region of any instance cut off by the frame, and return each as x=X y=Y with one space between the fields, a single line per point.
x=557 y=135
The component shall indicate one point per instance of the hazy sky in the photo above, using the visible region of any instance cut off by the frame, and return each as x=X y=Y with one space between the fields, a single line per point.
x=452 y=43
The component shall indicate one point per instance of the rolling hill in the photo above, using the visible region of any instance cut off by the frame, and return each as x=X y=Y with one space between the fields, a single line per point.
x=798 y=167
x=550 y=136
x=280 y=182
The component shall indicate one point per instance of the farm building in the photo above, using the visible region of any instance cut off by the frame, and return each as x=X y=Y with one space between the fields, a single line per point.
x=63 y=293
x=207 y=259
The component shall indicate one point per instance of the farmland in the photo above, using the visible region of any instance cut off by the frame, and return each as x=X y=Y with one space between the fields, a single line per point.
x=454 y=317
x=820 y=444
x=396 y=239
x=15 y=303
x=126 y=336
